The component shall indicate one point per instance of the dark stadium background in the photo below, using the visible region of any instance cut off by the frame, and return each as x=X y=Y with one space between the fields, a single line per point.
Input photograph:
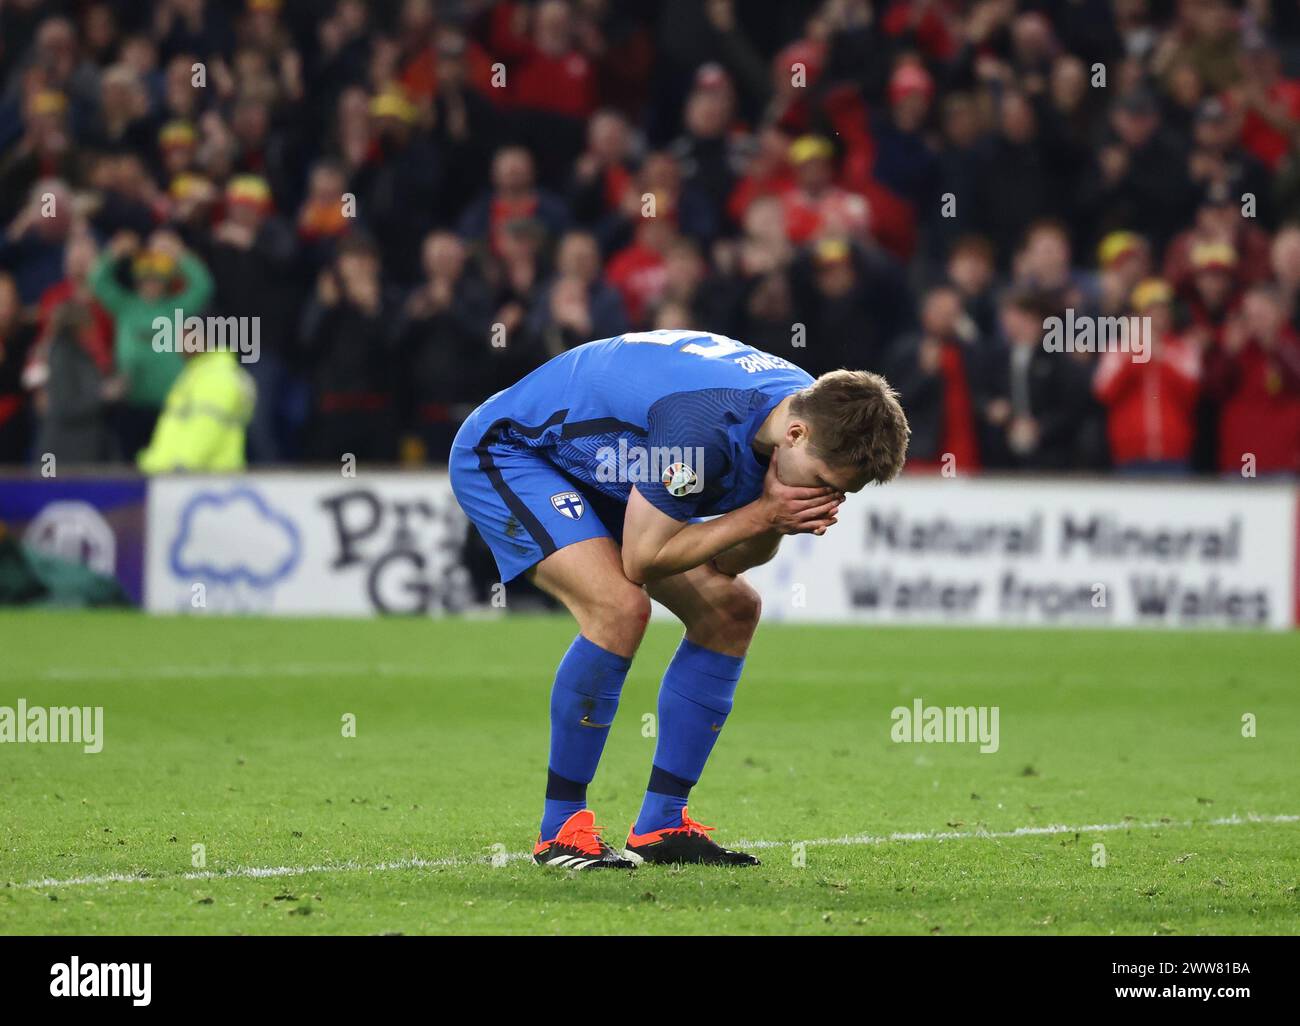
x=421 y=200
x=798 y=155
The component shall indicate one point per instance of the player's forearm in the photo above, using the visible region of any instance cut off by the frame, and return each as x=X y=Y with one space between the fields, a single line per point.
x=748 y=554
x=695 y=544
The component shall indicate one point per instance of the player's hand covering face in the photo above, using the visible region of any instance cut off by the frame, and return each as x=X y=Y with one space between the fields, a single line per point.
x=795 y=508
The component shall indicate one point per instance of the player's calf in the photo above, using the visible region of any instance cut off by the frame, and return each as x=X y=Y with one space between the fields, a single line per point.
x=695 y=698
x=612 y=614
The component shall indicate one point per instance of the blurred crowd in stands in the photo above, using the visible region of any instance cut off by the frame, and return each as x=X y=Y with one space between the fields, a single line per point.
x=420 y=200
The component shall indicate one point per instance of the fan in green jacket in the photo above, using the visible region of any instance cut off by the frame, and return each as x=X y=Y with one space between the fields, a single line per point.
x=149 y=373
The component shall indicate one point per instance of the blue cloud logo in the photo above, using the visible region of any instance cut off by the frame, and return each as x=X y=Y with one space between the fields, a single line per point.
x=234 y=538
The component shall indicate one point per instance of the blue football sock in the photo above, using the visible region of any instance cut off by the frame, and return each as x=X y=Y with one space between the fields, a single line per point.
x=583 y=702
x=695 y=697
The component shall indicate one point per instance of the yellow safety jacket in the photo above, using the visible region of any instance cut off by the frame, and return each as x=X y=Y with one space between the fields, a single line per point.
x=201 y=428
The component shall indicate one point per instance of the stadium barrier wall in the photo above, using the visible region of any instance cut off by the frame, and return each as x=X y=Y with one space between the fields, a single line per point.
x=98 y=522
x=1110 y=552
x=1095 y=552
x=306 y=543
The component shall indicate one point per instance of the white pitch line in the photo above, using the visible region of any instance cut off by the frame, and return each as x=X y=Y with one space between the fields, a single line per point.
x=1025 y=831
x=267 y=872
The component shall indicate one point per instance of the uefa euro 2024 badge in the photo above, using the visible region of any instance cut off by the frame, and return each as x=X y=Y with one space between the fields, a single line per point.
x=681 y=480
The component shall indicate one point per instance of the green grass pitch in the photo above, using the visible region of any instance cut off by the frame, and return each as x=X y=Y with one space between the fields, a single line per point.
x=228 y=733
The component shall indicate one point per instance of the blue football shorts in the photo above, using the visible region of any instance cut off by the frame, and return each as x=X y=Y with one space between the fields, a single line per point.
x=523 y=505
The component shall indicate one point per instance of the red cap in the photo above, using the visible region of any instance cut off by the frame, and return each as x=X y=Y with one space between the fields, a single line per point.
x=909 y=78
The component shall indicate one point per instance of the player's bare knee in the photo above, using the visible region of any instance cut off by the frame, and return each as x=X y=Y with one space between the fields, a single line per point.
x=731 y=620
x=632 y=606
x=742 y=608
x=617 y=618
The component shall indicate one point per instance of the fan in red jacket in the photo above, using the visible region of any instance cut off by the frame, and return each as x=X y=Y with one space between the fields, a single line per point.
x=1255 y=374
x=548 y=71
x=1150 y=394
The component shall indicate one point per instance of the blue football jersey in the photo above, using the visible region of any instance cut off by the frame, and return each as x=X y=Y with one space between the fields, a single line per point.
x=672 y=412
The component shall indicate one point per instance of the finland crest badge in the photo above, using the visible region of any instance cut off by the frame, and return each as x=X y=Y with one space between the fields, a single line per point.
x=568 y=504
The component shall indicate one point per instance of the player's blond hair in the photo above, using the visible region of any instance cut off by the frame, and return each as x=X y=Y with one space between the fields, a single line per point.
x=855 y=420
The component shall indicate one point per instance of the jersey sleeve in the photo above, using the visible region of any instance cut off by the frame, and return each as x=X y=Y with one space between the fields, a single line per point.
x=690 y=441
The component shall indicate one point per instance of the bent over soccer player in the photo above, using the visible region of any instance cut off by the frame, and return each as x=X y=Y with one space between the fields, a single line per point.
x=553 y=473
